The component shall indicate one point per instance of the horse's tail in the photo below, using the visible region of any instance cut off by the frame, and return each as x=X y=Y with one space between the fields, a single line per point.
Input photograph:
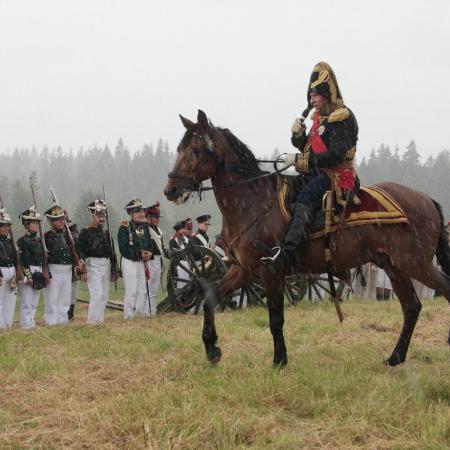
x=443 y=248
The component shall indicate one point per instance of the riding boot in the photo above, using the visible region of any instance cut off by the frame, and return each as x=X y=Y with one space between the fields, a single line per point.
x=295 y=238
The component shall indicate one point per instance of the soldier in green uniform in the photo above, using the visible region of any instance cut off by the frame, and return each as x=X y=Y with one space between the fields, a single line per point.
x=57 y=295
x=8 y=283
x=94 y=247
x=31 y=259
x=136 y=248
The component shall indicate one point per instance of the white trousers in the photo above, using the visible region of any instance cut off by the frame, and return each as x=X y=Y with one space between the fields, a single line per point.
x=57 y=295
x=155 y=268
x=29 y=300
x=99 y=276
x=135 y=291
x=383 y=280
x=7 y=298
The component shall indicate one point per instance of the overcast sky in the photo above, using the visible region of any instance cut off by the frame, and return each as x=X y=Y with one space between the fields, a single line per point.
x=80 y=73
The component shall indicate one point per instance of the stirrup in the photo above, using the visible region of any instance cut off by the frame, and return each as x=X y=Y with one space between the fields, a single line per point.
x=271 y=259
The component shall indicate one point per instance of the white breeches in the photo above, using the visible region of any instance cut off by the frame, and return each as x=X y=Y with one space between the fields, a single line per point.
x=99 y=276
x=29 y=300
x=154 y=266
x=7 y=298
x=133 y=273
x=57 y=295
x=383 y=280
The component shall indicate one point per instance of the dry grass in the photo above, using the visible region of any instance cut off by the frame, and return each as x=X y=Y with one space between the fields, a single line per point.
x=146 y=384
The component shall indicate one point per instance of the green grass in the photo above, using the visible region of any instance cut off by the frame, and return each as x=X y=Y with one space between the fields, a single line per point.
x=100 y=387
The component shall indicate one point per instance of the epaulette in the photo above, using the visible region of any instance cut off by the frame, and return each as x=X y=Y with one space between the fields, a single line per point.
x=125 y=223
x=339 y=115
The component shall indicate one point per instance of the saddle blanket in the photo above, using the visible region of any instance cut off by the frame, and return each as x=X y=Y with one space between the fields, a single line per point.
x=376 y=206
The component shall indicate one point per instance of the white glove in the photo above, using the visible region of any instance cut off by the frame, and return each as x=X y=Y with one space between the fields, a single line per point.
x=288 y=159
x=298 y=127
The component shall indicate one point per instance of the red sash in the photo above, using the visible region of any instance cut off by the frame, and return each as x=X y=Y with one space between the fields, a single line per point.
x=343 y=177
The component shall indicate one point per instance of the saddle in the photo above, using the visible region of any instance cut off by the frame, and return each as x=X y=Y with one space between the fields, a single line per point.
x=371 y=205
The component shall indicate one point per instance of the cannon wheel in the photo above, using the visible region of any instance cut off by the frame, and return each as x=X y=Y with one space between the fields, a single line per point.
x=186 y=267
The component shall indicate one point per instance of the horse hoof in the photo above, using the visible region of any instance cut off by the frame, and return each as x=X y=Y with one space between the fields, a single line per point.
x=214 y=355
x=393 y=361
x=278 y=364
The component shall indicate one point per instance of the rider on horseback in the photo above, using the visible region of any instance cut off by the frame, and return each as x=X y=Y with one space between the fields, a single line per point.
x=326 y=159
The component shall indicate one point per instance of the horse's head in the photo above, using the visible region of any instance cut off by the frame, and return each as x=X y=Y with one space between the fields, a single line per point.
x=196 y=160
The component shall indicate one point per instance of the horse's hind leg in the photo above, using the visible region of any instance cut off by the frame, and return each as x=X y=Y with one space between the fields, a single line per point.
x=437 y=280
x=433 y=278
x=411 y=307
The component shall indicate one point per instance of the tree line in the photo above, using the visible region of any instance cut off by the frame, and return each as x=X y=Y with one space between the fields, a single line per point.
x=78 y=177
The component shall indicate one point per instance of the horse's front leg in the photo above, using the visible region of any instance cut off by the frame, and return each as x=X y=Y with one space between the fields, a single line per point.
x=235 y=278
x=274 y=287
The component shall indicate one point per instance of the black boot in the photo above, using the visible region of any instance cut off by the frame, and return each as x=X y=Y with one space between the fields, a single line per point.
x=70 y=312
x=296 y=236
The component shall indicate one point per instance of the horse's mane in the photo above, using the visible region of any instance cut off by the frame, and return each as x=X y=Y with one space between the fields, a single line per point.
x=244 y=154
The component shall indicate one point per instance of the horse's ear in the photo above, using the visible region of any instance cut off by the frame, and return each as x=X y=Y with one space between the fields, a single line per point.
x=186 y=122
x=202 y=121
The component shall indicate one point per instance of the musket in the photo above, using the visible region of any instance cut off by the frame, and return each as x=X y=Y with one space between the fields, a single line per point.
x=113 y=257
x=45 y=271
x=19 y=271
x=73 y=249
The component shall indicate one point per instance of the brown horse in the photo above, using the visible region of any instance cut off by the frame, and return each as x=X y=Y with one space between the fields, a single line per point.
x=246 y=199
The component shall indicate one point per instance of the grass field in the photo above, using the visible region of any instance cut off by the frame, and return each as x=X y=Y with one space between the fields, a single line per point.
x=146 y=383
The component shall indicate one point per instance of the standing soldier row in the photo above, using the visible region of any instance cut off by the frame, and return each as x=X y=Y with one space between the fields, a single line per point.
x=62 y=259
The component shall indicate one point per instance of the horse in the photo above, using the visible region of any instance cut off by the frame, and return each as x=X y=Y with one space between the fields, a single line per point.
x=246 y=198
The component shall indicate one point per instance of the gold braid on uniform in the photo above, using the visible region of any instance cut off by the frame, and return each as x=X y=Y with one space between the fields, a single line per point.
x=302 y=162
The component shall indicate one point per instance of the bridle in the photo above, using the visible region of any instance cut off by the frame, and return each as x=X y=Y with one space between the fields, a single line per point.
x=195 y=185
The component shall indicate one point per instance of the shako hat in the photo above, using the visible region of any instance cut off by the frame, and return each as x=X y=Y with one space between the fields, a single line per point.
x=323 y=81
x=204 y=218
x=30 y=215
x=55 y=212
x=5 y=218
x=179 y=225
x=153 y=211
x=97 y=207
x=134 y=205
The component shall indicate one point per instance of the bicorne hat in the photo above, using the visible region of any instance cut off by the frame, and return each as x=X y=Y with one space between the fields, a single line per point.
x=323 y=81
